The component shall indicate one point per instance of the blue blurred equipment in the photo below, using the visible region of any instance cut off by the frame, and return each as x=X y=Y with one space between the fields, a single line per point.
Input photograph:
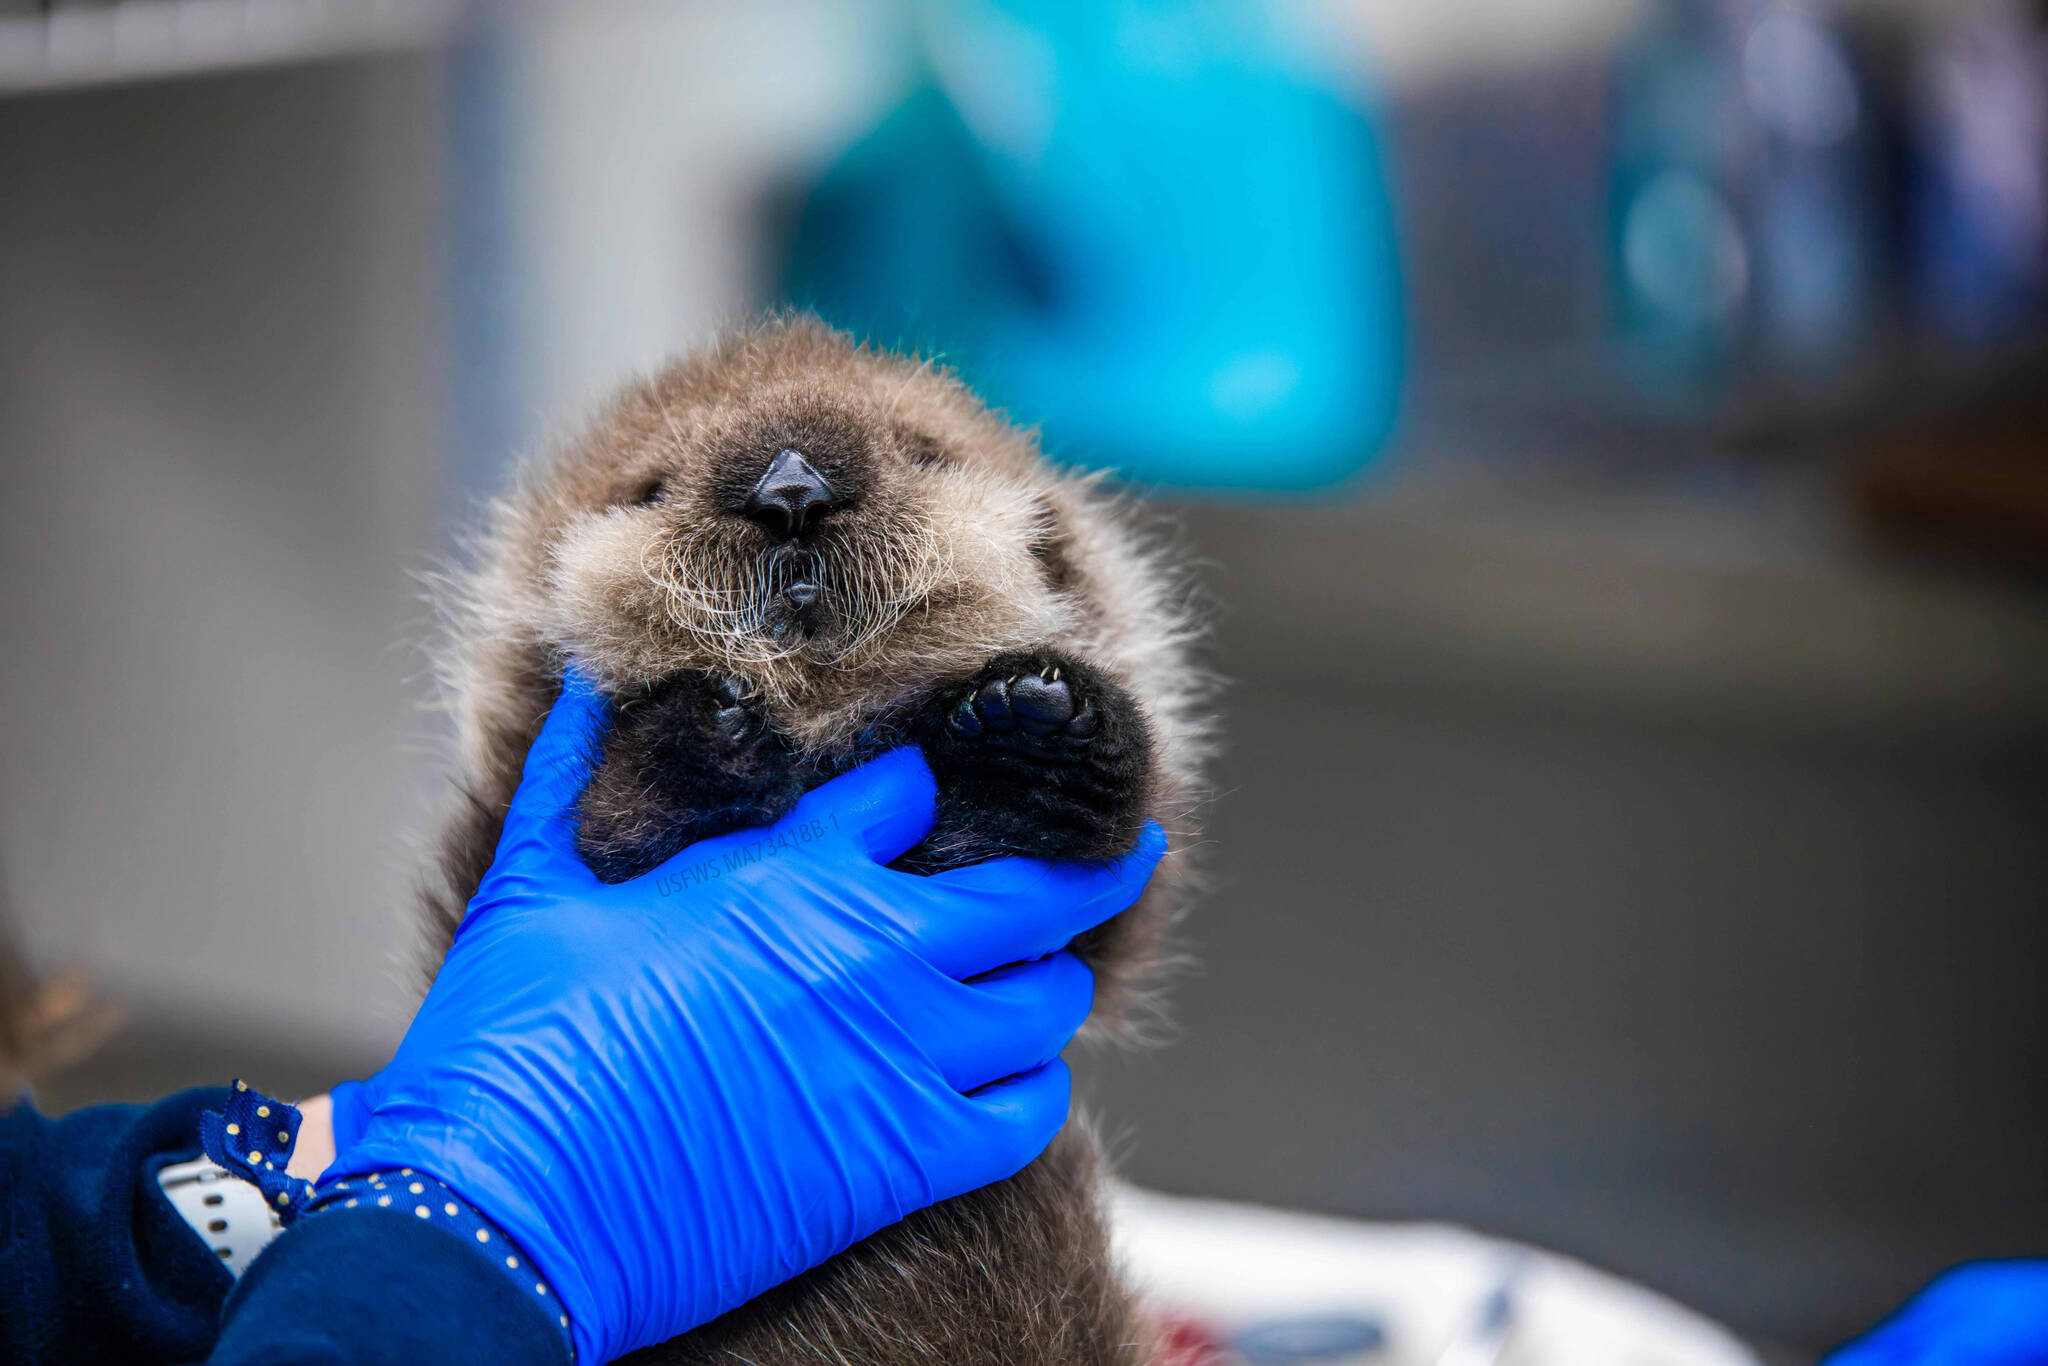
x=1154 y=229
x=1984 y=1314
x=1980 y=195
x=1741 y=195
x=778 y=1030
x=1309 y=1340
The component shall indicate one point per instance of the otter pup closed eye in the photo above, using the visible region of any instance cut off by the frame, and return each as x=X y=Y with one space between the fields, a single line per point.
x=777 y=558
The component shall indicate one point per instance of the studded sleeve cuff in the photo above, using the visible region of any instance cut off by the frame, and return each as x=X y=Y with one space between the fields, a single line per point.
x=430 y=1202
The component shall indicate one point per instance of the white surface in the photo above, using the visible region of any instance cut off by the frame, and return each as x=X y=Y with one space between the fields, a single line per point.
x=1231 y=1264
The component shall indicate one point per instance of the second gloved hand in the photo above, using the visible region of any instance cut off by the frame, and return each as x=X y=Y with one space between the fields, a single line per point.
x=1982 y=1314
x=676 y=1092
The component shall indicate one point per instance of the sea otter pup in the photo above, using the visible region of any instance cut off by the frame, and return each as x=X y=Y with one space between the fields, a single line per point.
x=777 y=558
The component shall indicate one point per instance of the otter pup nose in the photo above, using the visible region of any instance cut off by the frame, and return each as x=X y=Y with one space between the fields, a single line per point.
x=790 y=497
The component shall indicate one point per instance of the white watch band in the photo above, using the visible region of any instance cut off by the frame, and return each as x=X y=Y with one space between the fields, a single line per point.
x=224 y=1210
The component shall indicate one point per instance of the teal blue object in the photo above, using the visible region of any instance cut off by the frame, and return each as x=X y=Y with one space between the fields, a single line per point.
x=1150 y=229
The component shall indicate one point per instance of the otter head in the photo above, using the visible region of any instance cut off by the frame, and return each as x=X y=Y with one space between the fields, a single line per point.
x=824 y=521
x=835 y=541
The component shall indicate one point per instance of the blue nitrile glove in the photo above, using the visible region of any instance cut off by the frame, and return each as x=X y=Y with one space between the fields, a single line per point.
x=1983 y=1314
x=676 y=1092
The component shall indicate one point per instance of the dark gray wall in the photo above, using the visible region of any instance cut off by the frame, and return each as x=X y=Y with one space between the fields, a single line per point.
x=1723 y=977
x=219 y=439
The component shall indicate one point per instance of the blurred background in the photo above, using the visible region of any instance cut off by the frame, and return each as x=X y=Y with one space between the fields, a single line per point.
x=1612 y=432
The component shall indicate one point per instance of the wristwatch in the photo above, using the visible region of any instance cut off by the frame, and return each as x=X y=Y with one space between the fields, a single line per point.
x=223 y=1209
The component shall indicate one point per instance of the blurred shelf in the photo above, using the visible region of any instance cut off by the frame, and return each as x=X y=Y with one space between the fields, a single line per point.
x=1728 y=594
x=65 y=46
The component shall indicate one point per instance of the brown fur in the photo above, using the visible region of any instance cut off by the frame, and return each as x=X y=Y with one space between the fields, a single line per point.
x=966 y=545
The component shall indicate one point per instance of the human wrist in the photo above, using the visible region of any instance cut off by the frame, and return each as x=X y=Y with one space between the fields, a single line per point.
x=314 y=1151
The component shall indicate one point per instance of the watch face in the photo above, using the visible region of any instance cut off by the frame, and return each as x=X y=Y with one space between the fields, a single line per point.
x=227 y=1213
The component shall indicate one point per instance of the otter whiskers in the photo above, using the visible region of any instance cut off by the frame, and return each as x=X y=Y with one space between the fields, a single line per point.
x=868 y=591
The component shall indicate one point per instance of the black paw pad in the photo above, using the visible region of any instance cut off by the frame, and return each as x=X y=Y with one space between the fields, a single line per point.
x=1043 y=705
x=733 y=714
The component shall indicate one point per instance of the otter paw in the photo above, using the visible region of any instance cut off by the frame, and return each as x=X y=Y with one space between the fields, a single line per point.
x=692 y=756
x=1045 y=709
x=1037 y=753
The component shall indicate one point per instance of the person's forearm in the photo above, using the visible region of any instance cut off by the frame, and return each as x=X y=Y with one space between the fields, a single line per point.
x=97 y=1265
x=100 y=1267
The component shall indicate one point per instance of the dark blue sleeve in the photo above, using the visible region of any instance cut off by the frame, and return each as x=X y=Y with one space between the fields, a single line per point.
x=367 y=1287
x=95 y=1265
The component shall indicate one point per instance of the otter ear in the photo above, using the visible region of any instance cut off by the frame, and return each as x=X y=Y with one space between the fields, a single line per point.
x=926 y=450
x=649 y=493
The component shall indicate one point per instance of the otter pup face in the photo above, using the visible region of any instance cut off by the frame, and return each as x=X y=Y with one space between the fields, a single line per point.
x=823 y=521
x=785 y=552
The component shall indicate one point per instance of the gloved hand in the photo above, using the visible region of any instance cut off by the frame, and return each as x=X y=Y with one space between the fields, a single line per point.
x=1983 y=1314
x=676 y=1092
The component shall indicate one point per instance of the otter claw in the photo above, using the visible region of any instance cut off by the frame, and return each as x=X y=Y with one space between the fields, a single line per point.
x=965 y=720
